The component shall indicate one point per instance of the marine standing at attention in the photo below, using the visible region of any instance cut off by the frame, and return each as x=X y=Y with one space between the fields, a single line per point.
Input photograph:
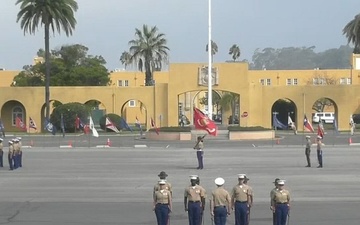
x=1 y=152
x=200 y=152
x=308 y=150
x=282 y=203
x=10 y=155
x=203 y=206
x=220 y=203
x=162 y=204
x=272 y=202
x=240 y=200
x=319 y=152
x=20 y=151
x=251 y=197
x=194 y=199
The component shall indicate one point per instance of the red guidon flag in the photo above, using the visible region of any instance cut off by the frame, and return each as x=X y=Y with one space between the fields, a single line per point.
x=153 y=125
x=20 y=124
x=202 y=122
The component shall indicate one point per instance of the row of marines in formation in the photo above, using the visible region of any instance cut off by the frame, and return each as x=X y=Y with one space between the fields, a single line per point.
x=14 y=153
x=222 y=203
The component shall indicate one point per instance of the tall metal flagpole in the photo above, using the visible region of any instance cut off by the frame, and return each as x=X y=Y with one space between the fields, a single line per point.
x=210 y=68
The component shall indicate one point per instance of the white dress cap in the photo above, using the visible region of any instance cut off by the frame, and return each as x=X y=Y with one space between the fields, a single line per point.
x=162 y=182
x=194 y=177
x=319 y=137
x=281 y=182
x=1 y=139
x=219 y=181
x=241 y=176
x=308 y=136
x=19 y=138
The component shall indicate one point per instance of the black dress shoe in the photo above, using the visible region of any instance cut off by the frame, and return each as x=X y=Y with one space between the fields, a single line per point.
x=319 y=167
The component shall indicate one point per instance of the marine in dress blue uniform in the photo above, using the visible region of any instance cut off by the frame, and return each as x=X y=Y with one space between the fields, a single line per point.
x=1 y=152
x=194 y=199
x=20 y=151
x=272 y=203
x=162 y=204
x=220 y=203
x=240 y=200
x=10 y=155
x=319 y=151
x=282 y=203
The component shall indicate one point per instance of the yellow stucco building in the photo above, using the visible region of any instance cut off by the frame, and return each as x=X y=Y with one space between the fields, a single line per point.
x=178 y=89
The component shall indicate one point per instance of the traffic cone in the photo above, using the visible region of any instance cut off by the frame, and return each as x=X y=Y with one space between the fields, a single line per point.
x=70 y=143
x=350 y=141
x=108 y=143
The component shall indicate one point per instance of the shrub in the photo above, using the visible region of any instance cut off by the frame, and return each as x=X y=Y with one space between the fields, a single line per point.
x=69 y=111
x=238 y=128
x=172 y=129
x=115 y=119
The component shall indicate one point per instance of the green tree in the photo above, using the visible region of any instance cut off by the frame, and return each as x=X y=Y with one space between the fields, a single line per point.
x=230 y=101
x=148 y=50
x=69 y=111
x=235 y=52
x=214 y=49
x=335 y=58
x=321 y=103
x=215 y=101
x=52 y=15
x=70 y=66
x=125 y=58
x=352 y=33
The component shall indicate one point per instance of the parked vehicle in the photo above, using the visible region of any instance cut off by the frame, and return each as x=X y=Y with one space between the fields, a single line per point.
x=325 y=117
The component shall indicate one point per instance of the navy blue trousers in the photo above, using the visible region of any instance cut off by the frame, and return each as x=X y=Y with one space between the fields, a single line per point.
x=319 y=156
x=162 y=213
x=1 y=159
x=199 y=155
x=16 y=161
x=220 y=214
x=20 y=159
x=281 y=212
x=194 y=213
x=11 y=164
x=241 y=213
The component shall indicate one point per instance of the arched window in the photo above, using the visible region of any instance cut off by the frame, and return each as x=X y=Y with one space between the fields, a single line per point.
x=17 y=112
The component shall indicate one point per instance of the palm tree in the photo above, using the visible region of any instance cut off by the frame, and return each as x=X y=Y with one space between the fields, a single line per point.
x=52 y=14
x=229 y=101
x=235 y=52
x=149 y=50
x=214 y=49
x=125 y=58
x=352 y=32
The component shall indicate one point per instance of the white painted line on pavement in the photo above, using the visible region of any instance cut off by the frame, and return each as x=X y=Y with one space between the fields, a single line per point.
x=65 y=146
x=140 y=146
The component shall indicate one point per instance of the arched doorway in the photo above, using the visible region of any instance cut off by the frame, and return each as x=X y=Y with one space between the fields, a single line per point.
x=284 y=111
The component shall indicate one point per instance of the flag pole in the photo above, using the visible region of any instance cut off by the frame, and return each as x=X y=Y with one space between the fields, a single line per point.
x=210 y=67
x=303 y=139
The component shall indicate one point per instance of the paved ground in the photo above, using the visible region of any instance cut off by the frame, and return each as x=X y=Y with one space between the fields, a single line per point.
x=113 y=185
x=283 y=138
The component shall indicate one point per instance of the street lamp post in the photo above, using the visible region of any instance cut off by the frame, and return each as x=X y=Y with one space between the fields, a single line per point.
x=210 y=67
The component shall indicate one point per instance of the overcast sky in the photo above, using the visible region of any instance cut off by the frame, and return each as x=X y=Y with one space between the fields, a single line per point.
x=106 y=26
